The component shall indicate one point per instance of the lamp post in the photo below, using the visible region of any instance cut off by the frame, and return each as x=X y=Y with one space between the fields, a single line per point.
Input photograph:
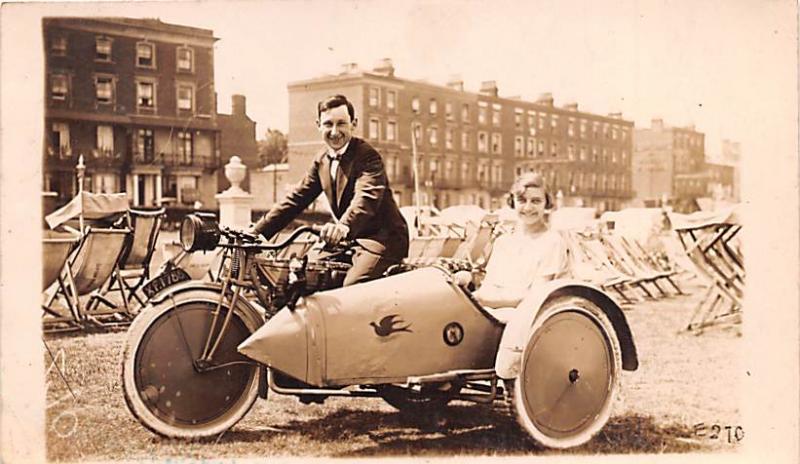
x=81 y=170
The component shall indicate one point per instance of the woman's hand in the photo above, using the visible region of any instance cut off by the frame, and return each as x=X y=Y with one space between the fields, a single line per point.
x=495 y=296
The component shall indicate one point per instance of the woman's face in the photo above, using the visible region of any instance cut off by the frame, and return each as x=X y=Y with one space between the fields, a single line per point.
x=530 y=206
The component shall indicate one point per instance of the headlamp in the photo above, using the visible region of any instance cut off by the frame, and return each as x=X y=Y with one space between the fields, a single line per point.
x=199 y=231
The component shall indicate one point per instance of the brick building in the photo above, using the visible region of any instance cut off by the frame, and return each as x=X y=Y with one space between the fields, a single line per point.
x=136 y=98
x=237 y=137
x=669 y=162
x=470 y=145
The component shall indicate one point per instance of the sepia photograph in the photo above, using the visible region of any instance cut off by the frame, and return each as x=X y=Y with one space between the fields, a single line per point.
x=420 y=230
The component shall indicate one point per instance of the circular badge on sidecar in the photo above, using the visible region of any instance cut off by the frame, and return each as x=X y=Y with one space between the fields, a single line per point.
x=453 y=333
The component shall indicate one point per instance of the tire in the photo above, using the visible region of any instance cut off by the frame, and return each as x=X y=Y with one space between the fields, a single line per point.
x=162 y=388
x=429 y=399
x=569 y=374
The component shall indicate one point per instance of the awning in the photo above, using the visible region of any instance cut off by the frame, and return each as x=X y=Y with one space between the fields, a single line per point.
x=90 y=206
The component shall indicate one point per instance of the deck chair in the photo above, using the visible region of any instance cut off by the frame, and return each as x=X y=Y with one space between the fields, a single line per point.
x=585 y=266
x=624 y=256
x=650 y=262
x=133 y=269
x=56 y=248
x=708 y=242
x=87 y=269
x=613 y=266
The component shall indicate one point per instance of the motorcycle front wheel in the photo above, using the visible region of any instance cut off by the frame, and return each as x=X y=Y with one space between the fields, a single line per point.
x=167 y=390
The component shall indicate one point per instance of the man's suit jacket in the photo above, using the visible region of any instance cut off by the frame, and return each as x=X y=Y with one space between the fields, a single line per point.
x=363 y=201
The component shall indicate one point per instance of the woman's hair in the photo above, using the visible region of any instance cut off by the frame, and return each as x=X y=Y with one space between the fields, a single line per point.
x=527 y=180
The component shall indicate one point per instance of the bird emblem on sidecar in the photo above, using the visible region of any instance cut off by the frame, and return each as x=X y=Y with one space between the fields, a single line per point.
x=388 y=325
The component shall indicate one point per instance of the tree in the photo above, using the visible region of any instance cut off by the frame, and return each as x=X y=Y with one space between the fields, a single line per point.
x=273 y=148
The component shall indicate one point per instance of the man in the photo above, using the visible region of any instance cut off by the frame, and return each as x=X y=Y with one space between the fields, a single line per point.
x=351 y=174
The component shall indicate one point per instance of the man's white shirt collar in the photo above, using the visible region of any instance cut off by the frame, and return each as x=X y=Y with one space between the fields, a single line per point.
x=332 y=153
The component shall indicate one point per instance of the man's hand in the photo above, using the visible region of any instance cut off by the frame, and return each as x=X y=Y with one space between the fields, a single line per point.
x=334 y=232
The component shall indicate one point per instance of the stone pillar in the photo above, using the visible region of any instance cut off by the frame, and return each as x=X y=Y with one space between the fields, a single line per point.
x=136 y=190
x=158 y=190
x=235 y=204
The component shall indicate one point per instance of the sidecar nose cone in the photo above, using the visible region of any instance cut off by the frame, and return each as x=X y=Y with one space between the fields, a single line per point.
x=281 y=343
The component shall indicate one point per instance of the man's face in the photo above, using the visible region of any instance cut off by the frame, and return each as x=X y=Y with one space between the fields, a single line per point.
x=530 y=205
x=336 y=127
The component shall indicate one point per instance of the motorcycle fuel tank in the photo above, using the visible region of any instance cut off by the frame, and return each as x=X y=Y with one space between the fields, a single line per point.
x=384 y=331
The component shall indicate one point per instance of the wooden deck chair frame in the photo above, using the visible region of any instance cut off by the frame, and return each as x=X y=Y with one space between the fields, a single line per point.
x=647 y=261
x=640 y=268
x=87 y=269
x=133 y=268
x=724 y=287
x=585 y=266
x=56 y=249
x=597 y=249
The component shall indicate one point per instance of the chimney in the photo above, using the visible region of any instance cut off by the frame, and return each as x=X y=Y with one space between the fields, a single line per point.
x=456 y=83
x=572 y=106
x=656 y=123
x=349 y=68
x=238 y=105
x=545 y=99
x=489 y=88
x=384 y=67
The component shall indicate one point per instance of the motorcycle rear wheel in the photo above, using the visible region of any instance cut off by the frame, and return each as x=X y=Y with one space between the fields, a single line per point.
x=162 y=385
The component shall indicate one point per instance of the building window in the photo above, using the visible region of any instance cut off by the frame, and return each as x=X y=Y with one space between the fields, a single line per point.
x=465 y=112
x=613 y=156
x=448 y=138
x=145 y=94
x=532 y=122
x=482 y=114
x=571 y=152
x=531 y=151
x=624 y=157
x=374 y=97
x=58 y=87
x=433 y=136
x=465 y=140
x=448 y=111
x=185 y=97
x=102 y=48
x=605 y=131
x=374 y=132
x=417 y=132
x=185 y=146
x=519 y=144
x=614 y=133
x=391 y=99
x=433 y=107
x=540 y=148
x=571 y=128
x=554 y=149
x=391 y=131
x=518 y=118
x=553 y=123
x=540 y=125
x=583 y=129
x=105 y=140
x=595 y=129
x=415 y=105
x=59 y=139
x=624 y=134
x=58 y=46
x=145 y=144
x=185 y=59
x=604 y=158
x=145 y=55
x=497 y=145
x=483 y=142
x=104 y=86
x=496 y=114
x=583 y=153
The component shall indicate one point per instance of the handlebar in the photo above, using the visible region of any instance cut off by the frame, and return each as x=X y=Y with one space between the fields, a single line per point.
x=241 y=238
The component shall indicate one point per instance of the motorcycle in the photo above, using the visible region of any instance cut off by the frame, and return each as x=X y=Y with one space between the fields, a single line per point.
x=201 y=353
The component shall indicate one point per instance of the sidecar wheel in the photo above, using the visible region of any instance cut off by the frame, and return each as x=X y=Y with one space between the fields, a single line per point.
x=569 y=374
x=163 y=388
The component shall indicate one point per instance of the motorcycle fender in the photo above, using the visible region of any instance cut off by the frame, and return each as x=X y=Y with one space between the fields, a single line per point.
x=210 y=291
x=515 y=334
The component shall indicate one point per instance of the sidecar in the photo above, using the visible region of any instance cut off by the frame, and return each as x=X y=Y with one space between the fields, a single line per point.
x=419 y=339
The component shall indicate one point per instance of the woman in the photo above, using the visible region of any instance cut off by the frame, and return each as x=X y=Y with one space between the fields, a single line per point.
x=530 y=254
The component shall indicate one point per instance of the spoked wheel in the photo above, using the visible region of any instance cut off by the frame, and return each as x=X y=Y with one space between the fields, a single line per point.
x=165 y=387
x=568 y=374
x=429 y=398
